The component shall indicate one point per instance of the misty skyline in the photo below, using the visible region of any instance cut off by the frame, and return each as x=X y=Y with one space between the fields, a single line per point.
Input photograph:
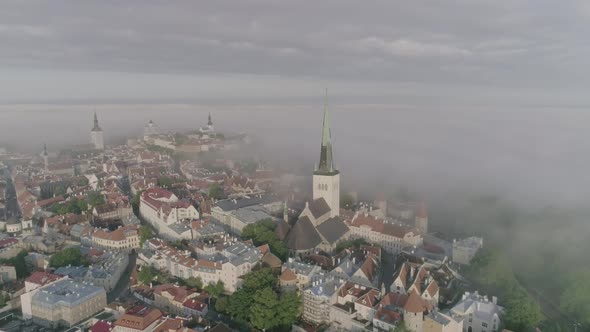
x=455 y=53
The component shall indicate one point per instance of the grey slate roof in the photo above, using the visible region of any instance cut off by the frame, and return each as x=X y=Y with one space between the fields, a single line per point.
x=230 y=204
x=319 y=207
x=332 y=229
x=66 y=293
x=282 y=229
x=303 y=235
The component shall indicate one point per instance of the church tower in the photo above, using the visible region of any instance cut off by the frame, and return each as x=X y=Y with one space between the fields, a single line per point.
x=96 y=137
x=421 y=218
x=45 y=156
x=326 y=178
x=210 y=123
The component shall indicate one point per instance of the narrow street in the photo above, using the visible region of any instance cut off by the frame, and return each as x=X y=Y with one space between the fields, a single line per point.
x=11 y=203
x=122 y=287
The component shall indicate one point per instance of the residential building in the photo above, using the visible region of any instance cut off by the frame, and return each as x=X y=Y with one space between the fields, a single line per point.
x=464 y=250
x=237 y=213
x=319 y=298
x=66 y=302
x=106 y=272
x=438 y=322
x=162 y=210
x=7 y=274
x=138 y=319
x=390 y=236
x=478 y=312
x=228 y=266
x=171 y=298
x=298 y=274
x=125 y=238
x=414 y=277
x=33 y=283
x=411 y=306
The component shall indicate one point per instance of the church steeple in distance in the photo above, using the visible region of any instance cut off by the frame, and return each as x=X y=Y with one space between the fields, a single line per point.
x=326 y=164
x=209 y=121
x=96 y=126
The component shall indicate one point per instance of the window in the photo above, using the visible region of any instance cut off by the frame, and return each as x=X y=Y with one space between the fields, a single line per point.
x=484 y=324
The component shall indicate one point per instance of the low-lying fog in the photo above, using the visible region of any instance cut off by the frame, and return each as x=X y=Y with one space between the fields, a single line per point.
x=535 y=156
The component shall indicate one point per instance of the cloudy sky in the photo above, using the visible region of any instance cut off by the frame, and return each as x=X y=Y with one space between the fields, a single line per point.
x=452 y=52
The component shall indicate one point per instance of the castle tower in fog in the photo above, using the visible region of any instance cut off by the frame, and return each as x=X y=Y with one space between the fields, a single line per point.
x=326 y=178
x=96 y=135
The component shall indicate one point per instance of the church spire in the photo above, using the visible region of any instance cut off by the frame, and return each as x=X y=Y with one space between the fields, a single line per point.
x=209 y=122
x=96 y=126
x=45 y=150
x=326 y=165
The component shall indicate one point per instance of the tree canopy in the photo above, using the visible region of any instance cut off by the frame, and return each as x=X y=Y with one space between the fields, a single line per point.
x=145 y=233
x=145 y=275
x=216 y=191
x=575 y=300
x=215 y=289
x=259 y=303
x=263 y=232
x=19 y=264
x=75 y=205
x=194 y=282
x=70 y=256
x=492 y=273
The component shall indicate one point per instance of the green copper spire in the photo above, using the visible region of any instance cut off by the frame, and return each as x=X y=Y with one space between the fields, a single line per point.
x=96 y=126
x=326 y=165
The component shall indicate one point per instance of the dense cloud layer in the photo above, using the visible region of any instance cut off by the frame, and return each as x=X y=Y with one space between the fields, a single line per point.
x=483 y=51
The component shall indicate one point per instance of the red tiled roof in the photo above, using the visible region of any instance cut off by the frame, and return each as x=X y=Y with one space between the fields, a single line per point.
x=378 y=225
x=195 y=305
x=102 y=326
x=42 y=278
x=139 y=318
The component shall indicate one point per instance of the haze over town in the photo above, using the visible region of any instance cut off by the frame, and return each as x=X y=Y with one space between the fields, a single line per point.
x=476 y=109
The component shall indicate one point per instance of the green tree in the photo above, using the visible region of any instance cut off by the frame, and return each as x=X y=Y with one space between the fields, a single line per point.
x=135 y=202
x=263 y=312
x=288 y=309
x=263 y=232
x=95 y=198
x=74 y=205
x=222 y=304
x=216 y=191
x=215 y=289
x=70 y=256
x=60 y=191
x=194 y=282
x=19 y=264
x=145 y=233
x=82 y=181
x=575 y=299
x=401 y=327
x=145 y=275
x=259 y=279
x=522 y=312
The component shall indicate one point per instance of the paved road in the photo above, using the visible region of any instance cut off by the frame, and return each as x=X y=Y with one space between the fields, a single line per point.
x=122 y=287
x=11 y=203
